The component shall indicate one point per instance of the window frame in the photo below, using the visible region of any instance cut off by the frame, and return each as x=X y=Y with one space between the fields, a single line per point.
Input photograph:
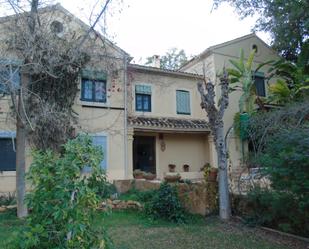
x=190 y=109
x=93 y=83
x=259 y=75
x=7 y=135
x=143 y=109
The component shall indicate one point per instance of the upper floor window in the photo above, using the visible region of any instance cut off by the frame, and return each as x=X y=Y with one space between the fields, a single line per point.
x=9 y=77
x=93 y=86
x=183 y=102
x=143 y=98
x=259 y=82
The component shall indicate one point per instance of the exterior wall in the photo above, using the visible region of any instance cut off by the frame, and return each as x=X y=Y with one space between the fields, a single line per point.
x=105 y=119
x=163 y=97
x=215 y=60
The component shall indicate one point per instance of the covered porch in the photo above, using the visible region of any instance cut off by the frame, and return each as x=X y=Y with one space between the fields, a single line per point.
x=156 y=144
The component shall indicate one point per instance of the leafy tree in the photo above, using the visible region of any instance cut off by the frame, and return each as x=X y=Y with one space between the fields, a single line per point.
x=292 y=83
x=63 y=200
x=286 y=20
x=173 y=59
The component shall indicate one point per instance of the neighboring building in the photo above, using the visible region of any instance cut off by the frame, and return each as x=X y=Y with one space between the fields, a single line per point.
x=143 y=117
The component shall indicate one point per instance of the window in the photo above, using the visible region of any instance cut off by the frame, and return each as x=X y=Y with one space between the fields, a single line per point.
x=8 y=155
x=93 y=86
x=99 y=140
x=143 y=98
x=259 y=82
x=9 y=77
x=183 y=102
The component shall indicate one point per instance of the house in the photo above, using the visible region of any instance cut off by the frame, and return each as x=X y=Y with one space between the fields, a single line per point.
x=143 y=117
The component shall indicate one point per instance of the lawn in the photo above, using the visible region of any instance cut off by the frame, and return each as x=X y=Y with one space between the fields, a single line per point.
x=133 y=230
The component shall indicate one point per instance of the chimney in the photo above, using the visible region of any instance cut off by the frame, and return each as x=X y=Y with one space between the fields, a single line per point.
x=156 y=61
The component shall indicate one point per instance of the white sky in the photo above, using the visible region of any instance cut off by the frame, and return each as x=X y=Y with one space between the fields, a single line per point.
x=147 y=27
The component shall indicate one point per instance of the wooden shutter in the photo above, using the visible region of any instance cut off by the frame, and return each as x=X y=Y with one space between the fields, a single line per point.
x=183 y=102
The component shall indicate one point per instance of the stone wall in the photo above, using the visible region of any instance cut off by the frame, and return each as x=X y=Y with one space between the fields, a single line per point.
x=197 y=198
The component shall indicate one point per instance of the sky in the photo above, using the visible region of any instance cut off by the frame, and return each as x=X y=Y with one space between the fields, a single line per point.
x=147 y=27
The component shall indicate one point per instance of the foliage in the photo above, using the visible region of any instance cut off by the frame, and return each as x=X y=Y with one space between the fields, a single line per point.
x=62 y=201
x=264 y=125
x=243 y=73
x=101 y=186
x=277 y=209
x=292 y=84
x=172 y=60
x=287 y=22
x=287 y=163
x=8 y=199
x=165 y=204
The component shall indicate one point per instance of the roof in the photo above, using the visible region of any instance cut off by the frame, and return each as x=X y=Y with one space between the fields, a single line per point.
x=168 y=124
x=60 y=8
x=224 y=44
x=142 y=68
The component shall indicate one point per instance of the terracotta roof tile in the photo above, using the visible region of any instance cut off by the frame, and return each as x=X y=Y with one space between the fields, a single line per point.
x=168 y=123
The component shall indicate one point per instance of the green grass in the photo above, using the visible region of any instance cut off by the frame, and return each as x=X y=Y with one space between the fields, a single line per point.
x=133 y=230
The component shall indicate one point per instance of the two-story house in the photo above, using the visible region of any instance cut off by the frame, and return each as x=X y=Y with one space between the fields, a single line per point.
x=142 y=117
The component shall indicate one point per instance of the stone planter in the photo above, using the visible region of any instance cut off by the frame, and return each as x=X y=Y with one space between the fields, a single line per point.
x=172 y=178
x=149 y=176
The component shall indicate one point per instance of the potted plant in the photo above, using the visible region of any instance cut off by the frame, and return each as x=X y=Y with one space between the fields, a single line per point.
x=172 y=177
x=213 y=172
x=138 y=174
x=171 y=167
x=149 y=176
x=186 y=168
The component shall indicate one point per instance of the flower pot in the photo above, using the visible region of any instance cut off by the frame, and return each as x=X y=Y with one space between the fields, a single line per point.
x=171 y=167
x=172 y=178
x=138 y=176
x=149 y=176
x=212 y=177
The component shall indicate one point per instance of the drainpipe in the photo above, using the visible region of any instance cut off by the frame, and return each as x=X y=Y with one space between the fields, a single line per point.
x=125 y=117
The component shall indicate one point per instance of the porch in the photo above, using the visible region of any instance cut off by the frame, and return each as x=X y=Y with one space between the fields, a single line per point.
x=155 y=144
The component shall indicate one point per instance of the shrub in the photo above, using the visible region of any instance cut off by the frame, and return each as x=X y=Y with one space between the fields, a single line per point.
x=62 y=201
x=276 y=209
x=165 y=204
x=99 y=183
x=285 y=159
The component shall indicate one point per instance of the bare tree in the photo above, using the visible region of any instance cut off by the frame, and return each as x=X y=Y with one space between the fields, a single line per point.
x=50 y=64
x=215 y=113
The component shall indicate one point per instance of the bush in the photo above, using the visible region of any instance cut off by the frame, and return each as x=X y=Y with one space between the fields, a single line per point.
x=62 y=201
x=165 y=204
x=101 y=186
x=285 y=159
x=277 y=209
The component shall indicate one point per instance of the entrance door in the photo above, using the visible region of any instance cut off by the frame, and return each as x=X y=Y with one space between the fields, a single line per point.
x=144 y=157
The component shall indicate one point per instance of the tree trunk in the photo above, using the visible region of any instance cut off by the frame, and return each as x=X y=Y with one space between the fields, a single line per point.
x=224 y=198
x=21 y=137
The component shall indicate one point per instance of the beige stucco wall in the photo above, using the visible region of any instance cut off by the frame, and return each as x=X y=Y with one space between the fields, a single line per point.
x=93 y=118
x=163 y=97
x=214 y=61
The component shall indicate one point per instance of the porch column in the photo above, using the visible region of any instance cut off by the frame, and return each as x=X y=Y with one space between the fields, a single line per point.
x=213 y=156
x=130 y=153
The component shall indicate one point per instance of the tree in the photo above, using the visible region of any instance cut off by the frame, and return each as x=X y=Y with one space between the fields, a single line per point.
x=49 y=63
x=292 y=83
x=173 y=59
x=287 y=22
x=215 y=113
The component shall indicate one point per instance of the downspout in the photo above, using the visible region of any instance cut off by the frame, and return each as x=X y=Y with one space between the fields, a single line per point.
x=125 y=117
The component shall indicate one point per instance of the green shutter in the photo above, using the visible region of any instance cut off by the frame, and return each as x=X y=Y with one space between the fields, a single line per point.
x=93 y=74
x=183 y=102
x=143 y=89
